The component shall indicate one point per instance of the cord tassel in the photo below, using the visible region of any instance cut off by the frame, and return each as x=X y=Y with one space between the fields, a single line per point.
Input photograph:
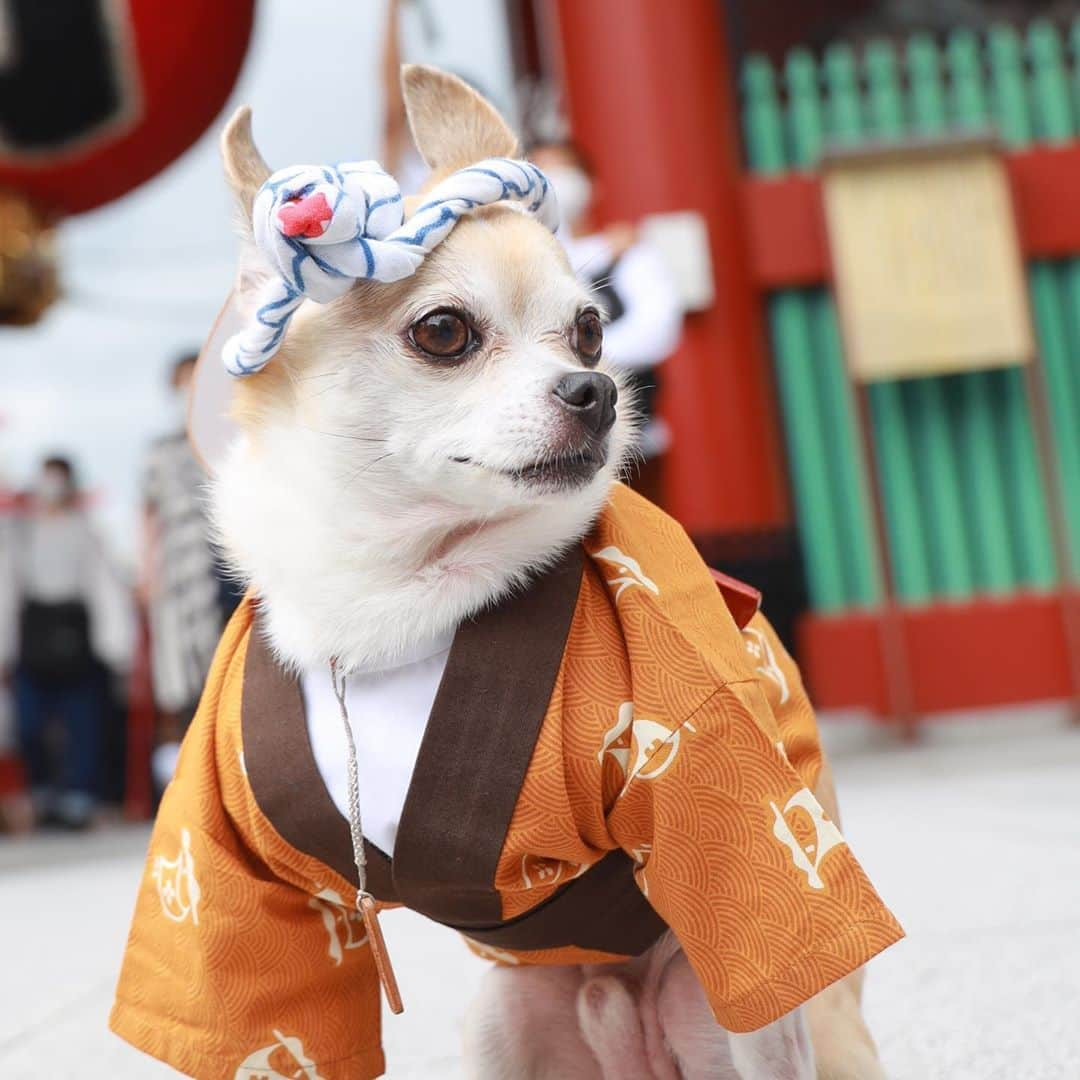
x=365 y=902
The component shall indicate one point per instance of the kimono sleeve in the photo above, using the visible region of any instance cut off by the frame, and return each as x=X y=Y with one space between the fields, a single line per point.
x=232 y=972
x=737 y=856
x=782 y=687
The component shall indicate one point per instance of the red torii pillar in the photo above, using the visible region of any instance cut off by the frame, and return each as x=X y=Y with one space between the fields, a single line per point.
x=651 y=98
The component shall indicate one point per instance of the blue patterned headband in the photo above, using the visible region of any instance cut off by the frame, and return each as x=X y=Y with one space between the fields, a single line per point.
x=324 y=227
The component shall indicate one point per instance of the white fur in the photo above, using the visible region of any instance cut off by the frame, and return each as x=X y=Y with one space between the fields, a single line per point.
x=646 y=1019
x=344 y=507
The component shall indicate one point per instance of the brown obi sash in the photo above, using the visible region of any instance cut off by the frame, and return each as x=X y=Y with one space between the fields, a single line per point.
x=468 y=776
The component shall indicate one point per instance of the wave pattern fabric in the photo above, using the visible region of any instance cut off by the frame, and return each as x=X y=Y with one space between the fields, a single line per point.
x=673 y=735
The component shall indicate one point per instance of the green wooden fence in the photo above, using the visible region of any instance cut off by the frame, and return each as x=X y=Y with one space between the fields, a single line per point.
x=963 y=495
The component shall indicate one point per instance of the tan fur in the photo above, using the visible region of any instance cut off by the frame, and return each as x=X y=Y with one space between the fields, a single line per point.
x=843 y=1045
x=452 y=125
x=245 y=169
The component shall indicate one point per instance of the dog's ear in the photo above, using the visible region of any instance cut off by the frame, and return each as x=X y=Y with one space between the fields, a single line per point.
x=452 y=125
x=245 y=171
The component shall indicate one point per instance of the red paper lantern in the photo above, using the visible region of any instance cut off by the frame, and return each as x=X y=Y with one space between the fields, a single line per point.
x=97 y=96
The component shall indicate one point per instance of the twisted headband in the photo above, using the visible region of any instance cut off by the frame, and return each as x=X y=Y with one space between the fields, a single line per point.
x=324 y=227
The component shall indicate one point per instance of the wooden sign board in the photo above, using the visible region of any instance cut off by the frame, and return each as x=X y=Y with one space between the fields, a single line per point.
x=926 y=262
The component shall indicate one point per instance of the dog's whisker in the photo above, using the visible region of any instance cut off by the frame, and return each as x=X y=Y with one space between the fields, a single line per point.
x=582 y=271
x=344 y=435
x=324 y=390
x=367 y=466
x=317 y=375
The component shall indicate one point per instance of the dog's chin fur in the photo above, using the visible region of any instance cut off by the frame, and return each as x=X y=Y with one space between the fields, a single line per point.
x=343 y=579
x=378 y=497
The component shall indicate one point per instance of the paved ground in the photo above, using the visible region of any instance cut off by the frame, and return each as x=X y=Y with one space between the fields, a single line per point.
x=973 y=839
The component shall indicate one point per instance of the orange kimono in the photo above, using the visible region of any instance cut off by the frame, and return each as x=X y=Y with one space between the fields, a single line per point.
x=622 y=749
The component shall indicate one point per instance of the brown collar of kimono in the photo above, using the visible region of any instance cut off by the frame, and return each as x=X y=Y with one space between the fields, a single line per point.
x=475 y=751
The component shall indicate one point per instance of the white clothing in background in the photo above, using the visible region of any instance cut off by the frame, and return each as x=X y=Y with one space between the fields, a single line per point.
x=648 y=330
x=185 y=605
x=54 y=558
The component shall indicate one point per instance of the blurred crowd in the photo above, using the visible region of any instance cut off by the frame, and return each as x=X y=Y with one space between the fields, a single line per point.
x=76 y=634
x=72 y=625
x=90 y=653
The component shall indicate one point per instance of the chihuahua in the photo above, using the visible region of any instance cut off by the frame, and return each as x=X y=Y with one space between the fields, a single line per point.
x=430 y=445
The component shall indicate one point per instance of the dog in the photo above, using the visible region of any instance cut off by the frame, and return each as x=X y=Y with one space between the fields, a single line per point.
x=430 y=445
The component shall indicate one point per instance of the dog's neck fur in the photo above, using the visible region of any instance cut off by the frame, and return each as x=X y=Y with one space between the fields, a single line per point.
x=368 y=513
x=367 y=584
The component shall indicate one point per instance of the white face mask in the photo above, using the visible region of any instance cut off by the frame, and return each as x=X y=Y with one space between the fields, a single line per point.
x=179 y=402
x=52 y=488
x=178 y=409
x=573 y=189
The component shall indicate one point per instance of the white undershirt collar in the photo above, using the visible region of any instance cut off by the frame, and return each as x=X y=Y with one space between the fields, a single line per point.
x=388 y=711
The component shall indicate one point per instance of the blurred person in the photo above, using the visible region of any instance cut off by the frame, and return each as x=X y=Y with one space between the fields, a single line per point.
x=633 y=284
x=187 y=593
x=400 y=158
x=493 y=555
x=67 y=614
x=16 y=813
x=399 y=155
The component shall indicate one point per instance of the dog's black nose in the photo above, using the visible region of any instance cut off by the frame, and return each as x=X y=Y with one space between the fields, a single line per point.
x=591 y=397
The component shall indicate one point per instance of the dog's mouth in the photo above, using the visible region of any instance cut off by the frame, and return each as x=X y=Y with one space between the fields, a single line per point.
x=568 y=469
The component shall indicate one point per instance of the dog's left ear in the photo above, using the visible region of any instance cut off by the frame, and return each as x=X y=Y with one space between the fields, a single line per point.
x=452 y=125
x=245 y=171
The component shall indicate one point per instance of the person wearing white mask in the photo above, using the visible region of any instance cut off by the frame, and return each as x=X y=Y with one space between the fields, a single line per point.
x=183 y=588
x=71 y=615
x=634 y=286
x=399 y=155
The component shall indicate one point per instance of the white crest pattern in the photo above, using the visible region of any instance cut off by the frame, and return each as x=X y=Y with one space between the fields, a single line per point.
x=629 y=571
x=177 y=887
x=270 y=1062
x=537 y=872
x=489 y=952
x=636 y=744
x=757 y=645
x=344 y=926
x=807 y=858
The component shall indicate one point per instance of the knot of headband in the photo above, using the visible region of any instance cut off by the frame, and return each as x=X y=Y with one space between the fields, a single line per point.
x=323 y=227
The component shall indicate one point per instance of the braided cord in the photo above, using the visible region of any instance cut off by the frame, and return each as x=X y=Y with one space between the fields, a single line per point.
x=321 y=228
x=355 y=827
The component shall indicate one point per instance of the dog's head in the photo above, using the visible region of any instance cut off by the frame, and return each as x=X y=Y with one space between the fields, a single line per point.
x=470 y=395
x=476 y=384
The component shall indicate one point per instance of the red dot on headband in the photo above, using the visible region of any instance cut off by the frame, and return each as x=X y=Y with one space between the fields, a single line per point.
x=307 y=215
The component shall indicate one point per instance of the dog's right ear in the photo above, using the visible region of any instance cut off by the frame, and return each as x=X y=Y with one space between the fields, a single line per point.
x=452 y=125
x=245 y=171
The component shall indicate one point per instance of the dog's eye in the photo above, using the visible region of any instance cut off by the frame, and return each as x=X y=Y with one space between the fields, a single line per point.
x=442 y=334
x=589 y=336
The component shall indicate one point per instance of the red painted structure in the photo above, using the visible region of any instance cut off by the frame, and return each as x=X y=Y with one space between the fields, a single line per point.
x=785 y=222
x=176 y=64
x=951 y=656
x=982 y=653
x=651 y=94
x=649 y=98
